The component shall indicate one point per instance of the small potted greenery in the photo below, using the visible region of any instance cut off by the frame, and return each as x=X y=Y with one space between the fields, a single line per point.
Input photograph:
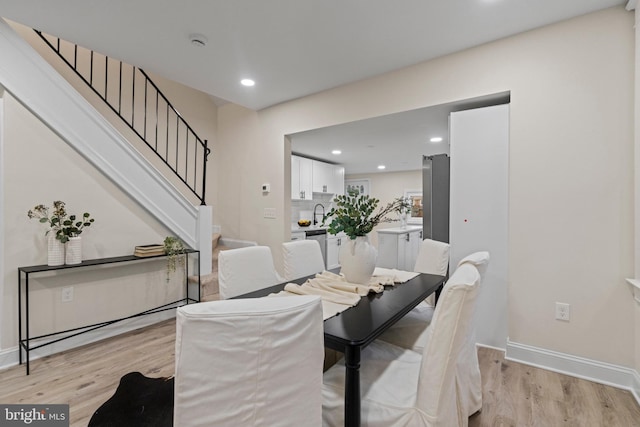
x=174 y=249
x=53 y=220
x=67 y=230
x=65 y=226
x=73 y=228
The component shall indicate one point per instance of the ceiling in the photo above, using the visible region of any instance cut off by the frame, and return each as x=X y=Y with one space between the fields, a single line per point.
x=397 y=141
x=291 y=48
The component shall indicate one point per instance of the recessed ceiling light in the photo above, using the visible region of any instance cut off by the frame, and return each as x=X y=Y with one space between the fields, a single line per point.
x=381 y=167
x=247 y=82
x=336 y=152
x=436 y=139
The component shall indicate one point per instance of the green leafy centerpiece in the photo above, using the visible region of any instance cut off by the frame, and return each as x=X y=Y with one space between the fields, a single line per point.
x=356 y=215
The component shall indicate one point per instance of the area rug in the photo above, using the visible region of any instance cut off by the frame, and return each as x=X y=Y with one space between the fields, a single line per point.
x=138 y=401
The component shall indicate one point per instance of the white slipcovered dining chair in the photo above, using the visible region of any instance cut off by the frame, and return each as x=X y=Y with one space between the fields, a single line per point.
x=410 y=331
x=249 y=362
x=245 y=270
x=468 y=379
x=400 y=387
x=302 y=258
x=433 y=258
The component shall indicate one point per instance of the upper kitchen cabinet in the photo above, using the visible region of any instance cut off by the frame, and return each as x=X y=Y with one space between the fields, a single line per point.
x=328 y=178
x=301 y=178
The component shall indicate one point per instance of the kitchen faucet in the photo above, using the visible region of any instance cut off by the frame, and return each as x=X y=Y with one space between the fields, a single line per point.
x=315 y=221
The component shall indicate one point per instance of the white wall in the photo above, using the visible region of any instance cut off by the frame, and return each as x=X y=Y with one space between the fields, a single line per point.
x=570 y=179
x=57 y=172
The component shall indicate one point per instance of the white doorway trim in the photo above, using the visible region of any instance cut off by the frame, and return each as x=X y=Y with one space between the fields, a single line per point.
x=2 y=169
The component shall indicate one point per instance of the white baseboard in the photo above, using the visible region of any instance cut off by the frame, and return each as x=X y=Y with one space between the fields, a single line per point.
x=491 y=347
x=9 y=357
x=235 y=243
x=575 y=366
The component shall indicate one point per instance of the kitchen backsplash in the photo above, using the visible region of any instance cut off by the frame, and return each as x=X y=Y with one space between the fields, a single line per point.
x=307 y=205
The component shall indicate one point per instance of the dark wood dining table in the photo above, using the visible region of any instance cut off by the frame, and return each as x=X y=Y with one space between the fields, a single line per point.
x=355 y=328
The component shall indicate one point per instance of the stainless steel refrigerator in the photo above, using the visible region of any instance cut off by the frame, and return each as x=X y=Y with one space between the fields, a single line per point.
x=435 y=197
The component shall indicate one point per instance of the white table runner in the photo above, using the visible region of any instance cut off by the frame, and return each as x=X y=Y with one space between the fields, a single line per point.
x=338 y=295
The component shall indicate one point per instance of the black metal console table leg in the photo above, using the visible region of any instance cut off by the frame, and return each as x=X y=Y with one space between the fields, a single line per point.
x=19 y=317
x=24 y=336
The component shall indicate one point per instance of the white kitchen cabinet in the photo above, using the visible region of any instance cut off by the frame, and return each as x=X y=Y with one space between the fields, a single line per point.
x=338 y=179
x=334 y=242
x=301 y=178
x=398 y=247
x=328 y=178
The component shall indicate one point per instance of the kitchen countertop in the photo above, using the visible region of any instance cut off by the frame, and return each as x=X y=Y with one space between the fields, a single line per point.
x=295 y=227
x=400 y=230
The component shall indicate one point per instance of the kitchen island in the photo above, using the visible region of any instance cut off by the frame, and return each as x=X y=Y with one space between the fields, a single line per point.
x=398 y=247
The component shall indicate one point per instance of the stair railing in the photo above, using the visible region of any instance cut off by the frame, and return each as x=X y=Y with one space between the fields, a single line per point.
x=135 y=98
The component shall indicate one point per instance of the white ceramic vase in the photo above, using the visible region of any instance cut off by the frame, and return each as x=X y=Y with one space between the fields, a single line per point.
x=55 y=250
x=358 y=260
x=74 y=250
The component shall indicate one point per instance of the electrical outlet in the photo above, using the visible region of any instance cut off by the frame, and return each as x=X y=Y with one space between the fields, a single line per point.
x=563 y=311
x=67 y=294
x=270 y=213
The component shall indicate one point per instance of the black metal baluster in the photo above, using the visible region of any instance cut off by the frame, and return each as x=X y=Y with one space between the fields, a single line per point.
x=177 y=142
x=133 y=98
x=120 y=91
x=204 y=171
x=91 y=71
x=186 y=154
x=157 y=120
x=145 y=110
x=166 y=146
x=106 y=74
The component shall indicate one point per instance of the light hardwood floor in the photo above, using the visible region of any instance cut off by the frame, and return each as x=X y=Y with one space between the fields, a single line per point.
x=513 y=394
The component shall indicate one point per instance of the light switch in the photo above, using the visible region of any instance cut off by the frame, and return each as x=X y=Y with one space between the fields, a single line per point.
x=270 y=213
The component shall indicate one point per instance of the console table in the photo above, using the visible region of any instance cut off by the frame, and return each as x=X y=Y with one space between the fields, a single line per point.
x=24 y=338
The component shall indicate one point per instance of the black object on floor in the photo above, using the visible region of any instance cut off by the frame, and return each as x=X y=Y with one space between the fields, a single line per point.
x=139 y=401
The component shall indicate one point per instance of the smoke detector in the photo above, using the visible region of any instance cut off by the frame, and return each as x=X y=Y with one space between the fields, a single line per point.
x=198 y=40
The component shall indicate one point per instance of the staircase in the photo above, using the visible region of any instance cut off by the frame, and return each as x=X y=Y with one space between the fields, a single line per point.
x=138 y=102
x=209 y=287
x=32 y=80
